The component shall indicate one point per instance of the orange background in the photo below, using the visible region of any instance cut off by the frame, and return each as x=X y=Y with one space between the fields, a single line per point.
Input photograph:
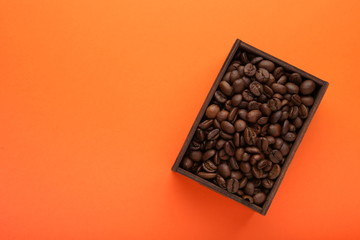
x=97 y=98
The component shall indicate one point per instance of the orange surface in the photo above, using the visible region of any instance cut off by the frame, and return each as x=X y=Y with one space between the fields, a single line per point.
x=97 y=98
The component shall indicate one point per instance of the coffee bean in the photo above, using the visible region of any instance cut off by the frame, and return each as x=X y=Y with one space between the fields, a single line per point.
x=232 y=185
x=226 y=136
x=240 y=125
x=222 y=115
x=265 y=109
x=227 y=127
x=213 y=134
x=257 y=173
x=274 y=130
x=278 y=72
x=240 y=193
x=221 y=181
x=285 y=149
x=295 y=78
x=247 y=95
x=274 y=172
x=253 y=116
x=236 y=139
x=274 y=104
x=254 y=105
x=263 y=144
x=243 y=182
x=292 y=88
x=262 y=75
x=278 y=88
x=303 y=111
x=244 y=58
x=275 y=156
x=255 y=158
x=285 y=127
x=307 y=87
x=278 y=143
x=233 y=163
x=249 y=136
x=294 y=112
x=256 y=88
x=256 y=60
x=208 y=154
x=220 y=144
x=270 y=139
x=220 y=97
x=297 y=122
x=229 y=148
x=223 y=155
x=194 y=146
x=187 y=163
x=199 y=135
x=289 y=137
x=238 y=86
x=266 y=64
x=212 y=111
x=275 y=117
x=207 y=175
x=259 y=198
x=263 y=164
x=296 y=100
x=224 y=170
x=282 y=80
x=307 y=101
x=249 y=70
x=249 y=188
x=239 y=153
x=217 y=124
x=228 y=105
x=233 y=114
x=206 y=124
x=236 y=99
x=209 y=166
x=225 y=88
x=236 y=174
x=263 y=120
x=248 y=198
x=267 y=183
x=242 y=114
x=195 y=155
x=245 y=167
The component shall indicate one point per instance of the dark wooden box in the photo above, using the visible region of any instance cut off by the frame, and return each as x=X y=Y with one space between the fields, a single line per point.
x=239 y=45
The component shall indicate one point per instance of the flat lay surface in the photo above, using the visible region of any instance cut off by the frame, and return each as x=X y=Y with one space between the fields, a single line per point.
x=97 y=98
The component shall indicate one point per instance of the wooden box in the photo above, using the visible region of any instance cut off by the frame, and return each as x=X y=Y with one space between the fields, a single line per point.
x=241 y=46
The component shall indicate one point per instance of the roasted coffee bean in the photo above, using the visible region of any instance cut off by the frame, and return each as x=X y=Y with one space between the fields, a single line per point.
x=249 y=188
x=240 y=193
x=233 y=114
x=229 y=148
x=270 y=139
x=268 y=92
x=236 y=99
x=206 y=124
x=225 y=88
x=249 y=136
x=278 y=143
x=238 y=86
x=199 y=135
x=284 y=116
x=212 y=111
x=295 y=78
x=275 y=117
x=285 y=127
x=216 y=124
x=222 y=115
x=274 y=172
x=221 y=181
x=292 y=128
x=289 y=137
x=285 y=149
x=220 y=144
x=263 y=120
x=223 y=155
x=257 y=173
x=266 y=64
x=255 y=158
x=216 y=159
x=213 y=134
x=253 y=116
x=256 y=88
x=254 y=105
x=224 y=170
x=227 y=127
x=195 y=155
x=248 y=198
x=240 y=125
x=278 y=72
x=208 y=154
x=242 y=114
x=234 y=66
x=249 y=70
x=236 y=139
x=278 y=88
x=296 y=100
x=267 y=183
x=232 y=185
x=259 y=198
x=262 y=75
x=236 y=174
x=239 y=153
x=307 y=101
x=194 y=146
x=207 y=175
x=244 y=58
x=243 y=182
x=209 y=166
x=228 y=105
x=187 y=163
x=274 y=104
x=220 y=97
x=275 y=156
x=303 y=111
x=256 y=60
x=274 y=130
x=307 y=87
x=245 y=167
x=292 y=88
x=262 y=164
x=263 y=144
x=298 y=122
x=247 y=96
x=265 y=109
x=252 y=150
x=282 y=80
x=226 y=136
x=294 y=112
x=209 y=145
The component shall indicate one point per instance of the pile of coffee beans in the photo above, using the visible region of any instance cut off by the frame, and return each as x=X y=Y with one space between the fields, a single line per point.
x=249 y=127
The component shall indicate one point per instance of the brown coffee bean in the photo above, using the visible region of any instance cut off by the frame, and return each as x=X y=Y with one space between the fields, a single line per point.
x=209 y=145
x=213 y=134
x=212 y=111
x=228 y=105
x=236 y=139
x=194 y=146
x=285 y=127
x=268 y=65
x=208 y=154
x=274 y=172
x=298 y=122
x=289 y=137
x=307 y=87
x=295 y=99
x=263 y=120
x=267 y=183
x=227 y=127
x=285 y=149
x=268 y=91
x=255 y=158
x=256 y=60
x=274 y=104
x=240 y=125
x=245 y=167
x=282 y=80
x=254 y=105
x=221 y=181
x=248 y=198
x=262 y=164
x=220 y=144
x=238 y=86
x=295 y=78
x=225 y=135
x=206 y=124
x=199 y=135
x=270 y=139
x=262 y=75
x=243 y=182
x=222 y=115
x=257 y=173
x=247 y=95
x=224 y=170
x=240 y=193
x=233 y=114
x=292 y=88
x=232 y=185
x=265 y=109
x=187 y=163
x=274 y=130
x=195 y=155
x=220 y=97
x=207 y=175
x=253 y=116
x=249 y=188
x=259 y=198
x=236 y=99
x=278 y=72
x=242 y=114
x=229 y=148
x=275 y=117
x=294 y=112
x=249 y=70
x=225 y=88
x=209 y=166
x=216 y=124
x=239 y=153
x=275 y=156
x=307 y=101
x=303 y=111
x=249 y=136
x=263 y=144
x=278 y=88
x=236 y=174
